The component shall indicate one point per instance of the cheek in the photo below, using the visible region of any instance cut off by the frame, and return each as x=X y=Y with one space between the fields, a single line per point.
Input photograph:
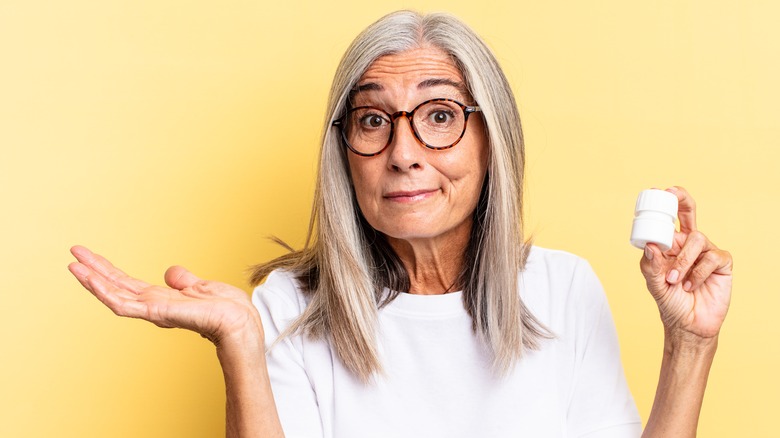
x=481 y=143
x=365 y=182
x=466 y=170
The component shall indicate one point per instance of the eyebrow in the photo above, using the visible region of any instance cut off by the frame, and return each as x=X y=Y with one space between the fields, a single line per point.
x=370 y=86
x=435 y=82
x=428 y=83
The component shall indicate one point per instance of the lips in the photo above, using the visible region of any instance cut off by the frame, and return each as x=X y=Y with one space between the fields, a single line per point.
x=411 y=195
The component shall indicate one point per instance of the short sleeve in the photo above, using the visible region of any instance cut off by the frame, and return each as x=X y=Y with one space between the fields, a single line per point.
x=601 y=405
x=294 y=395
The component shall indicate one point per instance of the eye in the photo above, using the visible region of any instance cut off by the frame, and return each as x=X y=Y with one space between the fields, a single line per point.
x=372 y=121
x=441 y=116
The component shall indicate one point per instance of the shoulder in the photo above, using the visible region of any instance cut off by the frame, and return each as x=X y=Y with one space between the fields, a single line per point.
x=559 y=284
x=280 y=294
x=554 y=263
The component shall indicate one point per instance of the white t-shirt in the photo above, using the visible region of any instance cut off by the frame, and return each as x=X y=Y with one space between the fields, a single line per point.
x=438 y=381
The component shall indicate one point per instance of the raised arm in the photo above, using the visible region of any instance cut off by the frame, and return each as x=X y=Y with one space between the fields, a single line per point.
x=219 y=312
x=691 y=284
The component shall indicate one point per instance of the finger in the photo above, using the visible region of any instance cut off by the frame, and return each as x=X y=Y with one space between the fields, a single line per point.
x=694 y=246
x=714 y=261
x=121 y=301
x=653 y=266
x=686 y=209
x=102 y=266
x=81 y=273
x=88 y=278
x=180 y=278
x=677 y=243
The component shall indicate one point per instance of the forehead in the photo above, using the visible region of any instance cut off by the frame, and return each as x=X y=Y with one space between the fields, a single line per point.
x=415 y=69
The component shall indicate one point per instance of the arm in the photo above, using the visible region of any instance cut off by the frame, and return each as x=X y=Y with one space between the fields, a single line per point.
x=678 y=398
x=220 y=313
x=250 y=408
x=691 y=284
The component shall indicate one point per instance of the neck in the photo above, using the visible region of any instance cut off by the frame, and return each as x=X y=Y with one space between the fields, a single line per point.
x=434 y=264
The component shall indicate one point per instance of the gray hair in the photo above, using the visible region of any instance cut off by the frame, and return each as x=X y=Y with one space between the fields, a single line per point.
x=345 y=264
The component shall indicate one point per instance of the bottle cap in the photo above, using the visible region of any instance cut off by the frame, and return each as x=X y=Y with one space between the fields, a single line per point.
x=654 y=219
x=656 y=200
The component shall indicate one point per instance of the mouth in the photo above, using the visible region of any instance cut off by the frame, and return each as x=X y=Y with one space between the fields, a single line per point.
x=410 y=196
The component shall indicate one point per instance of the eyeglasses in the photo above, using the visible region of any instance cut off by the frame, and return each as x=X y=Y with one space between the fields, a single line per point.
x=437 y=124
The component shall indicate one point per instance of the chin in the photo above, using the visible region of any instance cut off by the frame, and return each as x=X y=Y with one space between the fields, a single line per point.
x=407 y=230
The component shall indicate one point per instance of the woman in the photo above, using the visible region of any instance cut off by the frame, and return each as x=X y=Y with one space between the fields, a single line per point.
x=419 y=193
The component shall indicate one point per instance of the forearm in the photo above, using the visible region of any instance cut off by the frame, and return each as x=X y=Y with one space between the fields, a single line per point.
x=678 y=399
x=250 y=407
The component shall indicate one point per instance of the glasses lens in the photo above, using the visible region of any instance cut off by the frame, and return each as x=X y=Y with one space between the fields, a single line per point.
x=367 y=129
x=439 y=123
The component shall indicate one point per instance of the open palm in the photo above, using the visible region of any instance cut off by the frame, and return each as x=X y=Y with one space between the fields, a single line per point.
x=214 y=310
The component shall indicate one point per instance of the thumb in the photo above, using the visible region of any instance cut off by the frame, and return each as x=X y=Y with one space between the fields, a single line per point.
x=180 y=278
x=653 y=266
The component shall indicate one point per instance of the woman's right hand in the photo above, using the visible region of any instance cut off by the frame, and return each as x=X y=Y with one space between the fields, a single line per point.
x=217 y=311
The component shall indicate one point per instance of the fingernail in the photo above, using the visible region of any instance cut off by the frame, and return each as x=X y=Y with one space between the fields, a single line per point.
x=687 y=286
x=648 y=254
x=672 y=277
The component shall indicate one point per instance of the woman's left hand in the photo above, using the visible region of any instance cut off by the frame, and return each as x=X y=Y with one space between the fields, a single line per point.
x=691 y=282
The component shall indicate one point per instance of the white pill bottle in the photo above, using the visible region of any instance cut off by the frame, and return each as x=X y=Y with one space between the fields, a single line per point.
x=654 y=217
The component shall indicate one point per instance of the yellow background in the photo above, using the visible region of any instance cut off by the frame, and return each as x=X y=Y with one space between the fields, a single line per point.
x=176 y=132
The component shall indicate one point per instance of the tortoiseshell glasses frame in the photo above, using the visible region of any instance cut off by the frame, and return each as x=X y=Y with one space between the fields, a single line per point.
x=391 y=118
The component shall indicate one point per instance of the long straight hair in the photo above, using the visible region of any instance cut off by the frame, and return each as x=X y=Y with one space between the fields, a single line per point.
x=346 y=264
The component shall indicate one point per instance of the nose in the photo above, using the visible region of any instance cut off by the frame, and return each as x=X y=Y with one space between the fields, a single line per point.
x=404 y=152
